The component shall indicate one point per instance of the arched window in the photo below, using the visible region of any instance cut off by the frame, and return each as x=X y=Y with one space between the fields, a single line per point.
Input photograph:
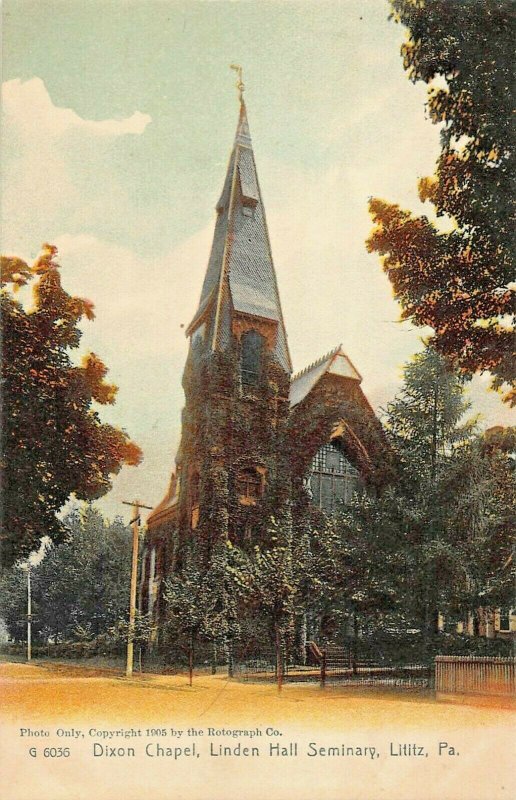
x=249 y=485
x=333 y=479
x=252 y=346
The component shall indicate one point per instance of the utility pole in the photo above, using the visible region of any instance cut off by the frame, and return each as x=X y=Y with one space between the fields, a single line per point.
x=29 y=615
x=135 y=522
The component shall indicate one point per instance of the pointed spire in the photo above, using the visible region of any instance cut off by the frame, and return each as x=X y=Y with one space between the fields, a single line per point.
x=240 y=276
x=243 y=135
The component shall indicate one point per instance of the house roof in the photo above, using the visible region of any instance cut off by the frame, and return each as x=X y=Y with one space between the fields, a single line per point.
x=336 y=362
x=240 y=274
x=167 y=506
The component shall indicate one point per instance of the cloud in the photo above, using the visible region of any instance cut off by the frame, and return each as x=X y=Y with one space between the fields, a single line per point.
x=59 y=171
x=28 y=105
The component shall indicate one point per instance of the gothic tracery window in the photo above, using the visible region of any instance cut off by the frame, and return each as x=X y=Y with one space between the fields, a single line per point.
x=252 y=346
x=333 y=479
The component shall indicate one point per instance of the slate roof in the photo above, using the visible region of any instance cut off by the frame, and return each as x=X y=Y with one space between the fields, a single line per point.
x=240 y=272
x=335 y=362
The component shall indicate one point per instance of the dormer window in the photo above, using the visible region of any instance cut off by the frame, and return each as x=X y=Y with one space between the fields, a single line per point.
x=252 y=346
x=249 y=485
x=198 y=335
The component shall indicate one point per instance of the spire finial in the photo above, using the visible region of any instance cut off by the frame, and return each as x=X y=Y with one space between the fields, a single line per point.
x=239 y=84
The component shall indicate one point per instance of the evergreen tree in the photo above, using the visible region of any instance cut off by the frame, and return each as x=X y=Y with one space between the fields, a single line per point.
x=426 y=427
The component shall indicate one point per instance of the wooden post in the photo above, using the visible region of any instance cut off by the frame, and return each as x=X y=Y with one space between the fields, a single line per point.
x=323 y=669
x=136 y=505
x=191 y=659
x=29 y=616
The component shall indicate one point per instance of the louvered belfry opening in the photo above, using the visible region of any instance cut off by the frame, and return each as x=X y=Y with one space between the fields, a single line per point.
x=251 y=359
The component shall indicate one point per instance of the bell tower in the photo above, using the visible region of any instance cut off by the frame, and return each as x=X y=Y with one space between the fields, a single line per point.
x=231 y=467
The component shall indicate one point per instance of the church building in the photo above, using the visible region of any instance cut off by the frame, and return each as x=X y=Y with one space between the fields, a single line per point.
x=257 y=441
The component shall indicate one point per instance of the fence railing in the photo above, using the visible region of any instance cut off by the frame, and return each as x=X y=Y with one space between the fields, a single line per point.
x=335 y=664
x=475 y=675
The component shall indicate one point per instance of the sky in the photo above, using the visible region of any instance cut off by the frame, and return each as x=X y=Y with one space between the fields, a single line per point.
x=118 y=122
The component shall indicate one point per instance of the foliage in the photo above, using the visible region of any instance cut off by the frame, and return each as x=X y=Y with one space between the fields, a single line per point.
x=203 y=599
x=141 y=630
x=455 y=495
x=273 y=586
x=54 y=443
x=425 y=421
x=457 y=282
x=438 y=540
x=482 y=481
x=80 y=587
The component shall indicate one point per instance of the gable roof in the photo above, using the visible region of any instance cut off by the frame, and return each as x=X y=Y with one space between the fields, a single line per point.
x=336 y=362
x=240 y=274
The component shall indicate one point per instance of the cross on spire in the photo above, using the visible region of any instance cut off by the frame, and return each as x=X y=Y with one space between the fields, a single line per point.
x=239 y=84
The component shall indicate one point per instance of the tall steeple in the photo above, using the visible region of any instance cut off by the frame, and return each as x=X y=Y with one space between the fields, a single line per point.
x=240 y=281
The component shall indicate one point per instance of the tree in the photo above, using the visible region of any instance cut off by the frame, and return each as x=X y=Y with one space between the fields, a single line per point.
x=79 y=588
x=482 y=480
x=53 y=441
x=203 y=600
x=273 y=586
x=426 y=427
x=457 y=282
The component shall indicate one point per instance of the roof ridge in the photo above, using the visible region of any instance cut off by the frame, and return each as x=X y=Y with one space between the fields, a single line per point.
x=317 y=362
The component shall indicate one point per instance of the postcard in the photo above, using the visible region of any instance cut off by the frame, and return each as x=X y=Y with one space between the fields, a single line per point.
x=258 y=446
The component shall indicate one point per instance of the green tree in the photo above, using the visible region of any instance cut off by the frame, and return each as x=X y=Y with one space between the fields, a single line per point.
x=273 y=588
x=481 y=522
x=53 y=442
x=203 y=600
x=428 y=432
x=79 y=588
x=457 y=282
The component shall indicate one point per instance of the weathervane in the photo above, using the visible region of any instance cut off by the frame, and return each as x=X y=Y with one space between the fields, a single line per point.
x=239 y=83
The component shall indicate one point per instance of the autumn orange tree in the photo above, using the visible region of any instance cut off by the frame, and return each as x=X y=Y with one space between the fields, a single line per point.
x=53 y=441
x=458 y=282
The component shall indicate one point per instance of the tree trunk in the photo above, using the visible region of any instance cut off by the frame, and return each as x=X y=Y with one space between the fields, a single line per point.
x=231 y=665
x=301 y=638
x=279 y=659
x=191 y=660
x=354 y=649
x=214 y=659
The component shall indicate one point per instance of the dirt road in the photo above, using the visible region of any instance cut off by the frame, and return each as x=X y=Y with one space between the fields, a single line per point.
x=332 y=744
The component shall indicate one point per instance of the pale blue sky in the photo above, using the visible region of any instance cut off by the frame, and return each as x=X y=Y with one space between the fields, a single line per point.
x=118 y=123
